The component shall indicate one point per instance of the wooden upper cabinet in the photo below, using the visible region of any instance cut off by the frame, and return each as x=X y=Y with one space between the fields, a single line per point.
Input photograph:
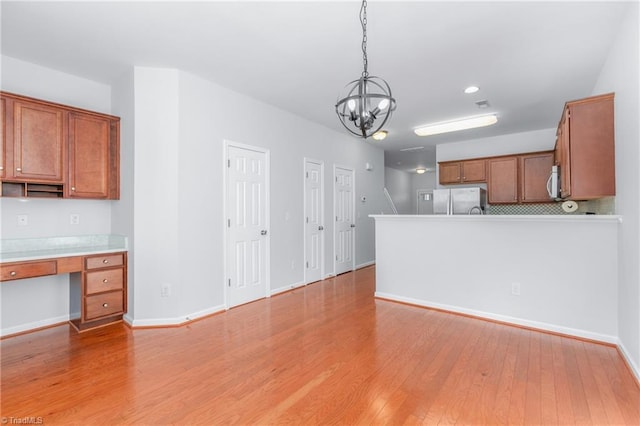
x=36 y=143
x=585 y=148
x=52 y=150
x=467 y=171
x=535 y=170
x=474 y=171
x=502 y=185
x=93 y=156
x=450 y=172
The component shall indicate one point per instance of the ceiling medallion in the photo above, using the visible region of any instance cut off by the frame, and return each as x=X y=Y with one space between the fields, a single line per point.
x=366 y=104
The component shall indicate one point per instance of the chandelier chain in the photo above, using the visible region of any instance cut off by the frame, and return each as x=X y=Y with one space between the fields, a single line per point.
x=363 y=22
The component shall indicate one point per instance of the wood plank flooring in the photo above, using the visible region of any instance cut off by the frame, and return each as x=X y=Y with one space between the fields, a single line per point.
x=328 y=353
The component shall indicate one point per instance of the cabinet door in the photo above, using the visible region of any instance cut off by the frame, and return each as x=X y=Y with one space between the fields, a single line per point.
x=502 y=185
x=592 y=159
x=450 y=173
x=534 y=172
x=474 y=171
x=38 y=143
x=89 y=156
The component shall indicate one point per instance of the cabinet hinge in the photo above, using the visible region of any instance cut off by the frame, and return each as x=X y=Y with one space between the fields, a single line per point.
x=228 y=162
x=336 y=257
x=307 y=264
x=229 y=223
x=307 y=175
x=229 y=282
x=307 y=219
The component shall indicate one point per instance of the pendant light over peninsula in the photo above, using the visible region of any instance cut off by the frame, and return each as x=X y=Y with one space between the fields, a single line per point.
x=365 y=105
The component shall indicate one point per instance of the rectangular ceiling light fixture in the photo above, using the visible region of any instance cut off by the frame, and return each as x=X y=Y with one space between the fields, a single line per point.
x=455 y=125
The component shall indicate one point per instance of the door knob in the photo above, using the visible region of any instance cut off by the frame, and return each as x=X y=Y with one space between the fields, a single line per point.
x=320 y=228
x=263 y=232
x=353 y=225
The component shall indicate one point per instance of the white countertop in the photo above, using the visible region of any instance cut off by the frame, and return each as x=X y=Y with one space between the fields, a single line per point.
x=25 y=249
x=500 y=218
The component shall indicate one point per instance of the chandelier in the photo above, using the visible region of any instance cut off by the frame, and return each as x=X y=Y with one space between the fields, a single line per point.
x=365 y=105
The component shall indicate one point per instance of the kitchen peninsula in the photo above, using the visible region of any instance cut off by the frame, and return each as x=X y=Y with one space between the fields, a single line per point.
x=551 y=272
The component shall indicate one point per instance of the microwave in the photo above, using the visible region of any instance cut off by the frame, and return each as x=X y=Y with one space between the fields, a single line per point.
x=553 y=183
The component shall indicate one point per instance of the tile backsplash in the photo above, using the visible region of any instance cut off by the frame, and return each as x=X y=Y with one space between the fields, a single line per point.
x=600 y=206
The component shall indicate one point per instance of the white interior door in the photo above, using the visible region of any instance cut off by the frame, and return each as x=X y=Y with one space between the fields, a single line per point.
x=313 y=221
x=344 y=235
x=247 y=225
x=424 y=203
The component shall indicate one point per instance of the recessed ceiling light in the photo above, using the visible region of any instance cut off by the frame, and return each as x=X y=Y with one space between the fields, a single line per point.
x=455 y=125
x=420 y=170
x=379 y=135
x=471 y=89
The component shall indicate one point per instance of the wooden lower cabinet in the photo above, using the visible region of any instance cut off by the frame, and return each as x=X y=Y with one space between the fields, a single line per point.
x=98 y=284
x=101 y=290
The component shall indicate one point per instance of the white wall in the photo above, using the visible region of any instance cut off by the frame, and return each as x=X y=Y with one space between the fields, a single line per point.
x=468 y=264
x=620 y=74
x=181 y=123
x=37 y=302
x=398 y=183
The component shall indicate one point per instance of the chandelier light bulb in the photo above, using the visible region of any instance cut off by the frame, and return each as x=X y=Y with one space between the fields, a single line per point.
x=351 y=105
x=383 y=104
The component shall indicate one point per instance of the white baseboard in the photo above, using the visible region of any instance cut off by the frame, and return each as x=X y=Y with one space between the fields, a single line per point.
x=33 y=325
x=365 y=264
x=286 y=288
x=632 y=365
x=503 y=318
x=176 y=321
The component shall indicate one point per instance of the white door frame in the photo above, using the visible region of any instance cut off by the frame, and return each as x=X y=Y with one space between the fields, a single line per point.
x=304 y=216
x=335 y=228
x=225 y=210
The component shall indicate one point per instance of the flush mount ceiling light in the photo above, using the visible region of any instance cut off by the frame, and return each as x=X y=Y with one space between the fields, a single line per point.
x=365 y=104
x=455 y=125
x=380 y=135
x=471 y=89
x=421 y=171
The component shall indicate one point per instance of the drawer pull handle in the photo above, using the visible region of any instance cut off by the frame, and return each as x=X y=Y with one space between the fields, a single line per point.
x=13 y=273
x=105 y=281
x=105 y=305
x=105 y=261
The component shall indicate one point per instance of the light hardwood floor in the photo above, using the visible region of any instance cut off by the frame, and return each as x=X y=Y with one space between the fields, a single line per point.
x=327 y=353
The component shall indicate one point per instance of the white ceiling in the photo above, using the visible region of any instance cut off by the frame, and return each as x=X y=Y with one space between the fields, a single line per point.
x=528 y=58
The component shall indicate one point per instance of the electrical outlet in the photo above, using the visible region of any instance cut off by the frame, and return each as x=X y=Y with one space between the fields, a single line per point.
x=74 y=219
x=165 y=290
x=23 y=220
x=515 y=289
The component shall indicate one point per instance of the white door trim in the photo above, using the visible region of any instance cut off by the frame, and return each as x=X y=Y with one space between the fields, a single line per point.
x=322 y=220
x=333 y=219
x=225 y=242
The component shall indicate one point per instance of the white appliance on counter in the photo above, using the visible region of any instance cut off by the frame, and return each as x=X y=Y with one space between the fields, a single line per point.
x=459 y=201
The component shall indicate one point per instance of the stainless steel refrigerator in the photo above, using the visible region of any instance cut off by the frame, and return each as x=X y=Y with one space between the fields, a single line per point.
x=459 y=201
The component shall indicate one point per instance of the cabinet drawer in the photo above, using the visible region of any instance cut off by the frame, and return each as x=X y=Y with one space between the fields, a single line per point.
x=105 y=304
x=105 y=261
x=105 y=280
x=17 y=271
